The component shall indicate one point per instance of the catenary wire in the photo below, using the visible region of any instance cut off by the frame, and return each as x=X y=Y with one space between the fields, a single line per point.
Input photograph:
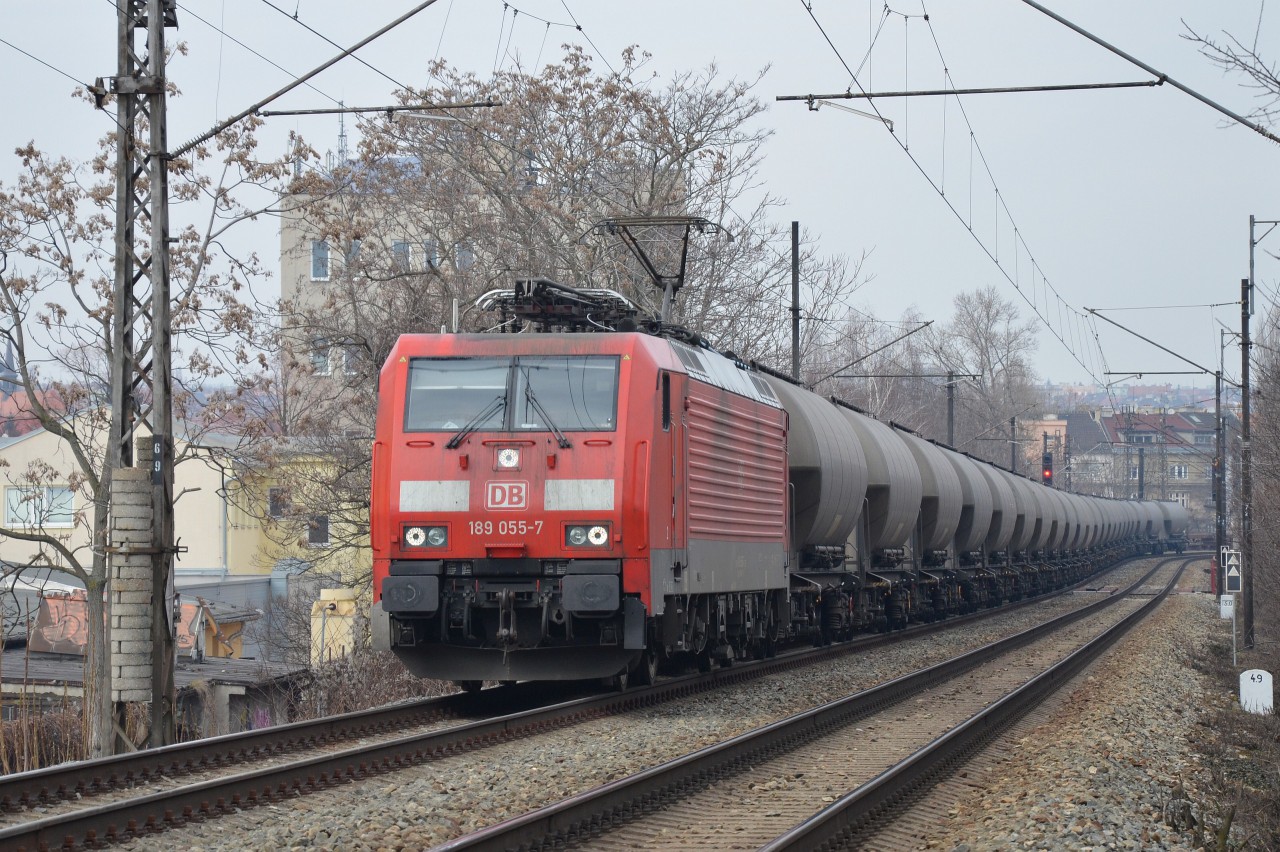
x=53 y=68
x=333 y=43
x=587 y=37
x=919 y=166
x=265 y=59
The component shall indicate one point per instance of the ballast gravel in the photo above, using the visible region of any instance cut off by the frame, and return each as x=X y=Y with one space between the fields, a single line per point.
x=1111 y=765
x=1100 y=784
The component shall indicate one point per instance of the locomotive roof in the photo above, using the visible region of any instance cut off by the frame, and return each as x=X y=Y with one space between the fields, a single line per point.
x=703 y=364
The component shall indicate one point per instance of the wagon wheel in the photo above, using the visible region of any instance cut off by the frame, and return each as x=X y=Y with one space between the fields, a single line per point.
x=647 y=668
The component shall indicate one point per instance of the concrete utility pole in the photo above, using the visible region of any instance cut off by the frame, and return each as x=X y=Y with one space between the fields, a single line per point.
x=1142 y=472
x=1246 y=460
x=1013 y=444
x=141 y=378
x=1219 y=507
x=795 y=300
x=951 y=408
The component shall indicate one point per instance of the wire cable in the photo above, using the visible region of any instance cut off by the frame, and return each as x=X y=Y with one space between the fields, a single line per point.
x=294 y=17
x=53 y=68
x=270 y=62
x=587 y=37
x=440 y=41
x=975 y=148
x=497 y=47
x=209 y=134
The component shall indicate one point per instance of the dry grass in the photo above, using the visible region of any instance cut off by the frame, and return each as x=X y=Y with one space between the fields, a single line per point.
x=37 y=738
x=1241 y=754
x=363 y=680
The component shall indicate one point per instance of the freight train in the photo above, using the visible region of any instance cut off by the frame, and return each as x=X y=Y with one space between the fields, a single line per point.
x=594 y=505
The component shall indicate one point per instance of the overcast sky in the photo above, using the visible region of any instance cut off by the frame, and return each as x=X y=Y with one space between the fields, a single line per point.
x=1131 y=198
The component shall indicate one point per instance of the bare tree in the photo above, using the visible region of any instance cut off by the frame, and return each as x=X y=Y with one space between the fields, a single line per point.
x=435 y=212
x=57 y=230
x=1265 y=439
x=438 y=211
x=898 y=371
x=863 y=364
x=987 y=337
x=1235 y=57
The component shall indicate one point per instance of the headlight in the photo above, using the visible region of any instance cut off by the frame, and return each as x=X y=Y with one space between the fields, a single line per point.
x=596 y=535
x=426 y=536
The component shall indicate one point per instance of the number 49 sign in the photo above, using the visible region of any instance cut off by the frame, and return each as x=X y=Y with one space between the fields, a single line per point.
x=1257 y=692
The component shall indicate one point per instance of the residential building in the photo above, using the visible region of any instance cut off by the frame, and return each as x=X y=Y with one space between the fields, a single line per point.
x=1166 y=455
x=1157 y=455
x=218 y=535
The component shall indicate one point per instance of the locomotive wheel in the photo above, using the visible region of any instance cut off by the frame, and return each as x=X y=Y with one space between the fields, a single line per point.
x=620 y=681
x=647 y=668
x=703 y=660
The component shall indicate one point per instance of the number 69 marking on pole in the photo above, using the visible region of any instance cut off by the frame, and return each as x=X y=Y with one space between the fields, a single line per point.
x=157 y=459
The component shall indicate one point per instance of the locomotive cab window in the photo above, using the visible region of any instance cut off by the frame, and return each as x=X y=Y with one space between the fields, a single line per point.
x=448 y=393
x=575 y=393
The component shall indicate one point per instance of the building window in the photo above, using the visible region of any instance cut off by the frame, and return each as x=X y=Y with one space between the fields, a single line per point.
x=353 y=252
x=1179 y=497
x=318 y=530
x=401 y=256
x=277 y=502
x=430 y=254
x=320 y=357
x=319 y=260
x=1204 y=440
x=1178 y=471
x=464 y=255
x=1133 y=471
x=50 y=506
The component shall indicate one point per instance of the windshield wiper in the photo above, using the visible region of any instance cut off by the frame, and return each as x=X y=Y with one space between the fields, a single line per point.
x=542 y=412
x=474 y=423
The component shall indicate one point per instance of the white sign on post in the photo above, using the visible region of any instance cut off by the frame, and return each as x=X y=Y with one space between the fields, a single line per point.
x=1226 y=606
x=1257 y=692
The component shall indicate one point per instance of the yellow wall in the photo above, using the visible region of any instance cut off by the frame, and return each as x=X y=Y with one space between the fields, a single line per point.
x=217 y=536
x=333 y=627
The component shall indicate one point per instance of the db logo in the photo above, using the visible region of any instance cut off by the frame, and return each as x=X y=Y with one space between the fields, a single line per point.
x=506 y=495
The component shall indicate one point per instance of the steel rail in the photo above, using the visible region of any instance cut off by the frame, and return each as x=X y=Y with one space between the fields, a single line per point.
x=67 y=780
x=157 y=811
x=82 y=778
x=837 y=826
x=581 y=817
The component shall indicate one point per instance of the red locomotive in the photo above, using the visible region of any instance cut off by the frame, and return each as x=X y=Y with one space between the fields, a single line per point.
x=539 y=500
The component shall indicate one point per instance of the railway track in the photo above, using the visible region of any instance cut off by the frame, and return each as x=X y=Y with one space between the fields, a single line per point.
x=105 y=800
x=792 y=785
